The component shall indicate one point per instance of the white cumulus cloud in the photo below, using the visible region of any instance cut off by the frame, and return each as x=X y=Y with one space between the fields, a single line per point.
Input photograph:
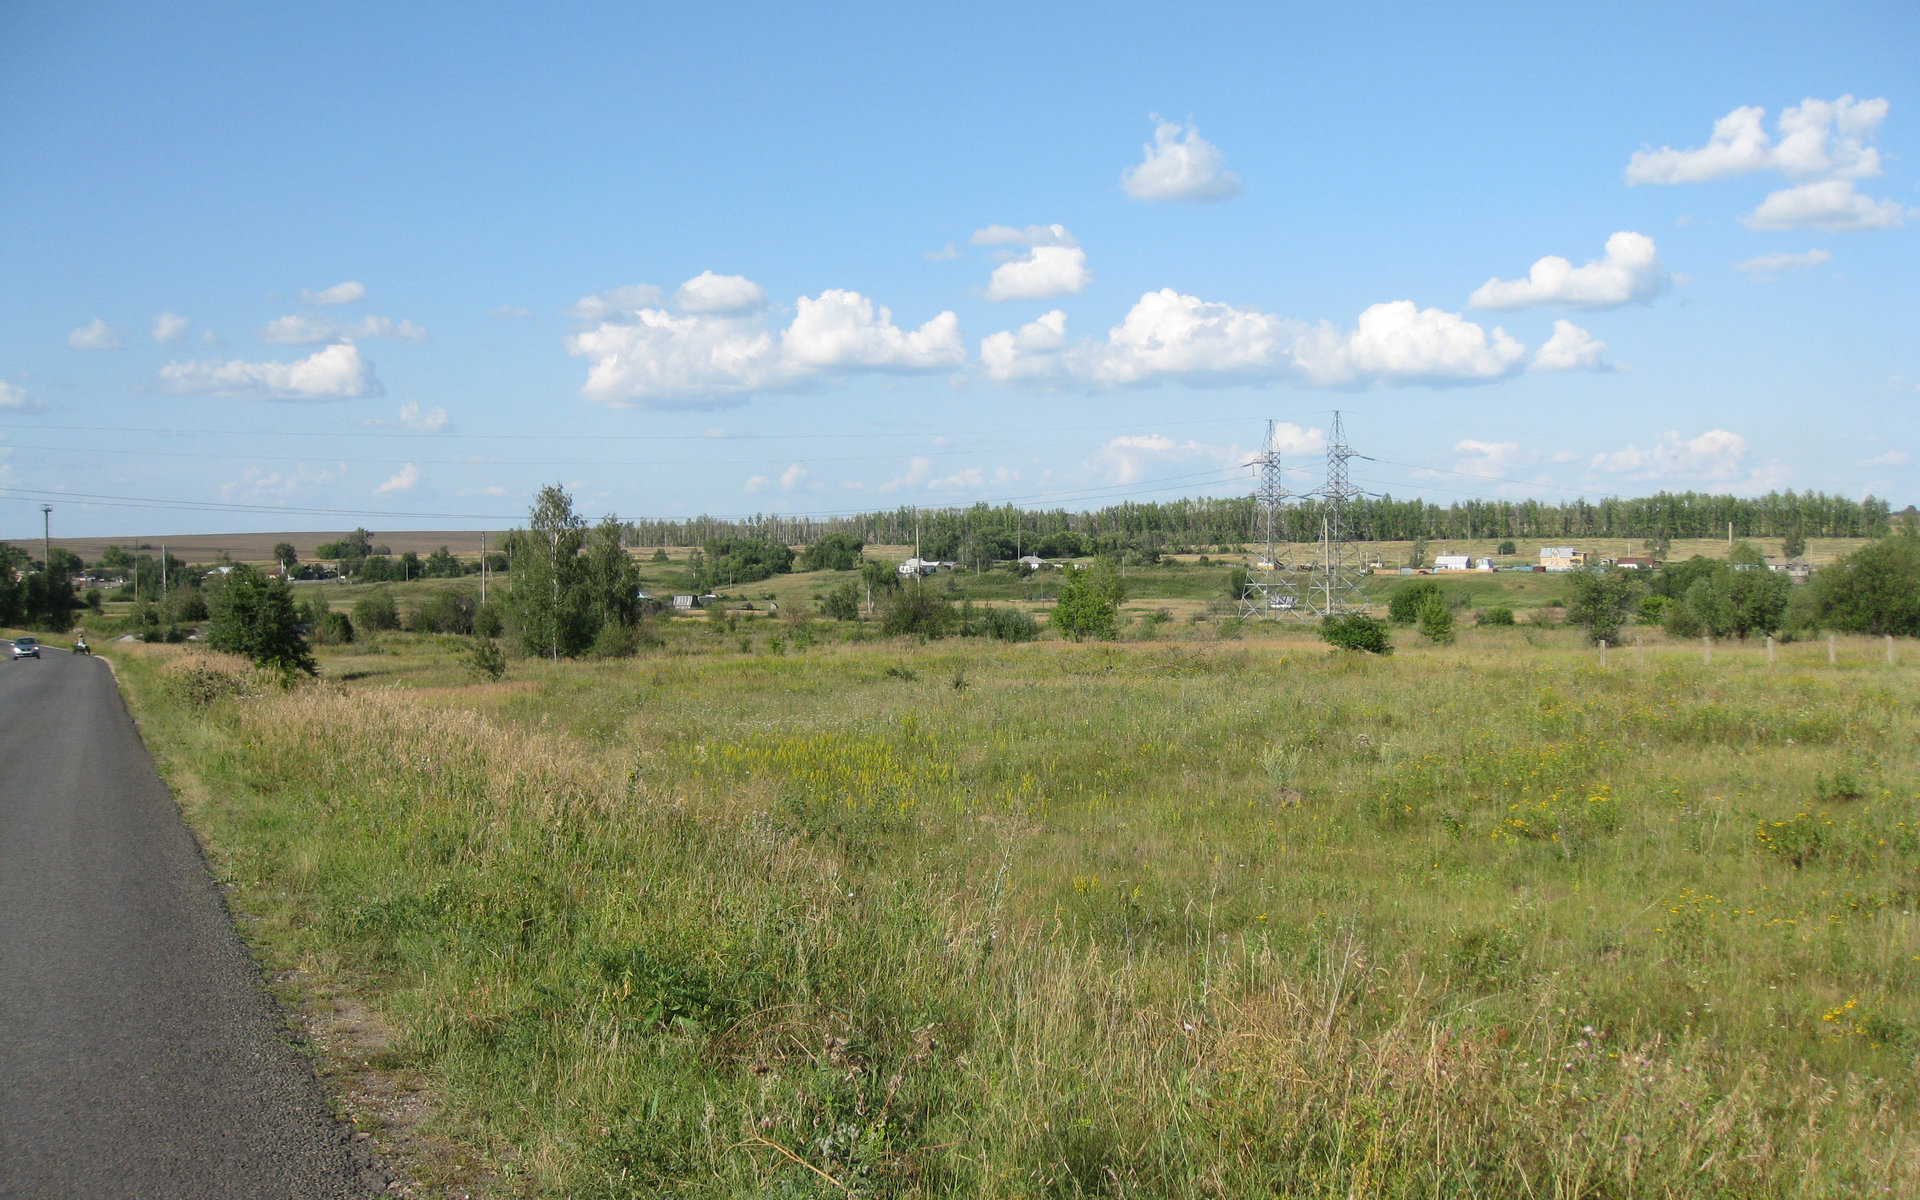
x=96 y=335
x=1892 y=458
x=1179 y=164
x=1399 y=342
x=169 y=327
x=1823 y=146
x=1571 y=348
x=1034 y=351
x=641 y=352
x=1170 y=336
x=616 y=302
x=1630 y=272
x=1774 y=264
x=791 y=477
x=16 y=399
x=312 y=329
x=1041 y=274
x=729 y=295
x=841 y=329
x=1717 y=455
x=1829 y=204
x=1817 y=138
x=339 y=293
x=337 y=372
x=402 y=480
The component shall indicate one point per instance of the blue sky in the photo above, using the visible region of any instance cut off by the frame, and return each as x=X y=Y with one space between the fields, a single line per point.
x=308 y=267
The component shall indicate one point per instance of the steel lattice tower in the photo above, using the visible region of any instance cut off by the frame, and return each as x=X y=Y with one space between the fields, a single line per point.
x=1271 y=592
x=1336 y=581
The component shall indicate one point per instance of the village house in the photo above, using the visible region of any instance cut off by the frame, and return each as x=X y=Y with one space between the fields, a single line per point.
x=1562 y=558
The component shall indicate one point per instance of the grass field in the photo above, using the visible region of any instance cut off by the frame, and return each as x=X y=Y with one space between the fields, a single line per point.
x=1186 y=917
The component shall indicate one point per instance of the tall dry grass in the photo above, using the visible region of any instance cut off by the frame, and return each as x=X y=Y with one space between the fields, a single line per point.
x=1219 y=920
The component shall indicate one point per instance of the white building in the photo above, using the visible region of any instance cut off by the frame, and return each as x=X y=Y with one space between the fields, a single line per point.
x=1451 y=562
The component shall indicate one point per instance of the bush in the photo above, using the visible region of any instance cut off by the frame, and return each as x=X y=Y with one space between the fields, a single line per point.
x=254 y=616
x=842 y=603
x=616 y=639
x=1499 y=615
x=446 y=612
x=1008 y=625
x=376 y=611
x=1507 y=547
x=1089 y=601
x=1357 y=631
x=487 y=622
x=1403 y=608
x=1436 y=621
x=915 y=610
x=484 y=657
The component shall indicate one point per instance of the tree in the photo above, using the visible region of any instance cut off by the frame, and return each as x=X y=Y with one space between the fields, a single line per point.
x=1089 y=601
x=1794 y=544
x=917 y=611
x=441 y=564
x=547 y=603
x=350 y=547
x=1357 y=631
x=843 y=602
x=376 y=611
x=1601 y=602
x=254 y=616
x=284 y=555
x=832 y=552
x=1436 y=621
x=612 y=577
x=1874 y=590
x=1507 y=547
x=1403 y=607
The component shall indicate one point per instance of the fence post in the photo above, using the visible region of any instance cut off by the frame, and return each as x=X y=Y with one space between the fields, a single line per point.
x=1889 y=649
x=1830 y=658
x=1639 y=651
x=1769 y=649
x=1603 y=652
x=1706 y=649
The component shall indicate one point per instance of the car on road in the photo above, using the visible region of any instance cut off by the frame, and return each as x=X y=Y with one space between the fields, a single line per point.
x=26 y=647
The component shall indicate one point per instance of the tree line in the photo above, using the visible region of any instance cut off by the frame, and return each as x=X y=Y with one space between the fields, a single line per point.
x=948 y=533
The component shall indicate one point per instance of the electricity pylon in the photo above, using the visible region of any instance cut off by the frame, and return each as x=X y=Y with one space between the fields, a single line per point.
x=1335 y=589
x=1271 y=592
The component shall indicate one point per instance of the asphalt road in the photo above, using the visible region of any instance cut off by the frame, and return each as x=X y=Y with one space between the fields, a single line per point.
x=140 y=1055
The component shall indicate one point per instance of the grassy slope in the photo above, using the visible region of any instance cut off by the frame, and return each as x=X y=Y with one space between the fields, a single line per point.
x=1180 y=918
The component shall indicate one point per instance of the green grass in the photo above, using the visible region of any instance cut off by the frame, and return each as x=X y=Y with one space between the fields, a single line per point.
x=1192 y=917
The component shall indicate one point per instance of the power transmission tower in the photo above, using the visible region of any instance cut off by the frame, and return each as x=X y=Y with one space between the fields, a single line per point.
x=1336 y=581
x=1271 y=592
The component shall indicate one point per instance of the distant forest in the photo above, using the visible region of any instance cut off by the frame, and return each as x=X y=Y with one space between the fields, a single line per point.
x=998 y=532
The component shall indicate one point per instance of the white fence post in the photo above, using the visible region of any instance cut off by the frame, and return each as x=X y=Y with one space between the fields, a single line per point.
x=1706 y=649
x=1769 y=649
x=1603 y=652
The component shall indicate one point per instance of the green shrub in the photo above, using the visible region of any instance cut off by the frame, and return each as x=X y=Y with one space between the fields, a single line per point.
x=1499 y=615
x=1436 y=621
x=376 y=611
x=1008 y=625
x=484 y=657
x=1357 y=631
x=1403 y=607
